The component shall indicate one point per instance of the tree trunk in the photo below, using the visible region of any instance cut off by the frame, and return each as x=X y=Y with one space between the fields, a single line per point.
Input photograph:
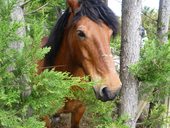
x=17 y=15
x=163 y=24
x=163 y=20
x=130 y=51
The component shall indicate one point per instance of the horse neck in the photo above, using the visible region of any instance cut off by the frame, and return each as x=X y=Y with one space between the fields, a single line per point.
x=65 y=62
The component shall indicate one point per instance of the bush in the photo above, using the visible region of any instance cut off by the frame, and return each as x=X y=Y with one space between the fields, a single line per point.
x=153 y=69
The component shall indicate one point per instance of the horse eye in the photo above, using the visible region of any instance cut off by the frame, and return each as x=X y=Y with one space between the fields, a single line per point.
x=81 y=34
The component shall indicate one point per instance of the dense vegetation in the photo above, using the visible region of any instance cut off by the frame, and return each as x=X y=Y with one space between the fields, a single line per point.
x=25 y=96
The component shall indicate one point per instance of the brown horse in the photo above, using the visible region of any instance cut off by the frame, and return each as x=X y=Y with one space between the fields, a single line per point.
x=80 y=44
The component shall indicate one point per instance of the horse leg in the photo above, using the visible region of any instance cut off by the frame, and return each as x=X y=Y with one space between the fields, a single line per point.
x=76 y=116
x=47 y=121
x=76 y=108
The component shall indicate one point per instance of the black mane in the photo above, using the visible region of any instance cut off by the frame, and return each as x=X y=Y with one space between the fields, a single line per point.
x=96 y=10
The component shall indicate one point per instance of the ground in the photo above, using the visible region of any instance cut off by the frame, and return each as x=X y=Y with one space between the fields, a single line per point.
x=65 y=122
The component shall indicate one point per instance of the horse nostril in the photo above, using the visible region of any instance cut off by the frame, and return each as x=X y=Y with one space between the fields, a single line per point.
x=104 y=92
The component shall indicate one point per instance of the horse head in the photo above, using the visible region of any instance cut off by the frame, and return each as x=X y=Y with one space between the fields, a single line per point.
x=83 y=35
x=89 y=40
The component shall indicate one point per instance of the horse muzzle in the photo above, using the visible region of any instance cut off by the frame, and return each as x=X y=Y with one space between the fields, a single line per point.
x=105 y=94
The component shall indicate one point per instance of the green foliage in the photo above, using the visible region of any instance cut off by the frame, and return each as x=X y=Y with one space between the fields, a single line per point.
x=149 y=21
x=155 y=117
x=6 y=7
x=49 y=10
x=153 y=69
x=118 y=123
x=115 y=45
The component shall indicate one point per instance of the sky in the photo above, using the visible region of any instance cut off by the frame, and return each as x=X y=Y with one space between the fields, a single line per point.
x=115 y=5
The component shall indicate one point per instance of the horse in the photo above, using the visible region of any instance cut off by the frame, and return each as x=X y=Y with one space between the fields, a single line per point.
x=80 y=44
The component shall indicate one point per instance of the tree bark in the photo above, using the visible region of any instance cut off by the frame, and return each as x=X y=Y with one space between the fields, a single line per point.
x=163 y=20
x=17 y=15
x=162 y=30
x=130 y=51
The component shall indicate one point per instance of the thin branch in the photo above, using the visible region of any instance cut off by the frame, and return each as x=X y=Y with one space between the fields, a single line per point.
x=26 y=2
x=141 y=106
x=37 y=9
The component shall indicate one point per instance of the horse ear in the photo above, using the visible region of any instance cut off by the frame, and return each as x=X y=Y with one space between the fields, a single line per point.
x=73 y=5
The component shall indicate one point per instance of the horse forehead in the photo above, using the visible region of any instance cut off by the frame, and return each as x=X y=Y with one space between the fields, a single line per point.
x=86 y=23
